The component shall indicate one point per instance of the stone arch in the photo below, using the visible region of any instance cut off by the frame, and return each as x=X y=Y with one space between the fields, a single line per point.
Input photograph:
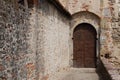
x=87 y=24
x=90 y=12
x=96 y=28
x=84 y=17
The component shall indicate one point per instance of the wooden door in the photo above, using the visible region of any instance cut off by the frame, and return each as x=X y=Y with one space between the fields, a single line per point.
x=84 y=43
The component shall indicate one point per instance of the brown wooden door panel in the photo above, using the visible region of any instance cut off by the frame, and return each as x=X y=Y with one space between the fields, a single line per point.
x=84 y=43
x=89 y=62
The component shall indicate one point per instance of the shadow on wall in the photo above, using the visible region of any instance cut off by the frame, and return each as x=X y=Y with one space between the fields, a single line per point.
x=102 y=72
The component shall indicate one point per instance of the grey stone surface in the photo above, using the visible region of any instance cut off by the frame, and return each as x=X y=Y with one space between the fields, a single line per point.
x=14 y=35
x=77 y=74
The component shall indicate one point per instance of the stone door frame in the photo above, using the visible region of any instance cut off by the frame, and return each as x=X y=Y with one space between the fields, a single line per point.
x=89 y=18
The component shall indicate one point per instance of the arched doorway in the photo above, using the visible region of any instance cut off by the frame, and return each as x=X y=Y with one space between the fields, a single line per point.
x=84 y=46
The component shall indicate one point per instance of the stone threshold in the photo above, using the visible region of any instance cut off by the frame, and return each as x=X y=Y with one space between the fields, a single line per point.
x=85 y=70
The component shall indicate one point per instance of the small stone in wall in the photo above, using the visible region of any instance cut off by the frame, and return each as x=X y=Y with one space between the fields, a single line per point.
x=2 y=68
x=3 y=78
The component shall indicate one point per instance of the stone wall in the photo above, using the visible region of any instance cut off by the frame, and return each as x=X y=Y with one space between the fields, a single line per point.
x=53 y=31
x=110 y=28
x=115 y=60
x=16 y=56
x=106 y=28
x=64 y=3
x=75 y=6
x=34 y=43
x=111 y=36
x=116 y=30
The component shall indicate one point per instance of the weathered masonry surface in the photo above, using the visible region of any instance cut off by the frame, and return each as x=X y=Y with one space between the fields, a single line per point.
x=14 y=33
x=31 y=41
x=53 y=30
x=36 y=39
